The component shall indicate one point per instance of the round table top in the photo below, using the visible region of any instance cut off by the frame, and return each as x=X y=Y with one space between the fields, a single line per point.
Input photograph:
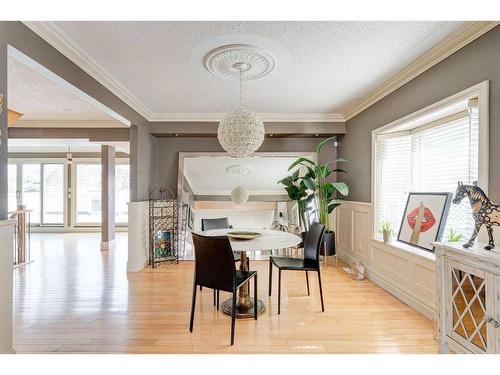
x=270 y=239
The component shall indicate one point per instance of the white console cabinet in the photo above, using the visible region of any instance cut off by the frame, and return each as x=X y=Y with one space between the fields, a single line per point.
x=468 y=304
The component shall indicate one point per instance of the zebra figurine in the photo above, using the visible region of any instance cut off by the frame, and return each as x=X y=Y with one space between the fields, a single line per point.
x=483 y=210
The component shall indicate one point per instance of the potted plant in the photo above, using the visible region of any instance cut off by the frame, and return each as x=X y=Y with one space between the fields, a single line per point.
x=386 y=230
x=454 y=236
x=325 y=193
x=297 y=191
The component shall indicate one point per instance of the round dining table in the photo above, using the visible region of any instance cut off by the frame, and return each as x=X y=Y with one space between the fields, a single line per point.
x=268 y=240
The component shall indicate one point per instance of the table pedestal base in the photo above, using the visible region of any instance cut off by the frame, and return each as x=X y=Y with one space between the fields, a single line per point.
x=243 y=312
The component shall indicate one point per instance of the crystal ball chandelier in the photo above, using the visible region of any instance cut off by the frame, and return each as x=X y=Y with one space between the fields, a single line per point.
x=239 y=195
x=241 y=132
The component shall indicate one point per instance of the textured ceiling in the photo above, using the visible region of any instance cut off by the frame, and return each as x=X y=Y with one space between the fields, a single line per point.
x=39 y=98
x=322 y=67
x=207 y=175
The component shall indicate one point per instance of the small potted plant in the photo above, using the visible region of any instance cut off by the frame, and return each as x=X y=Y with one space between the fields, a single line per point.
x=454 y=236
x=386 y=230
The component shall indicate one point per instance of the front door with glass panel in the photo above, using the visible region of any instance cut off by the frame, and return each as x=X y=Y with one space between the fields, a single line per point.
x=40 y=187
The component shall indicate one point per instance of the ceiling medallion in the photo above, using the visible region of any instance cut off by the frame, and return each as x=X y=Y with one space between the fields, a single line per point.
x=238 y=170
x=227 y=61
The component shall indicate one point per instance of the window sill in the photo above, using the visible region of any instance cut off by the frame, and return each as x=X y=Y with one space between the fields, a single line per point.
x=400 y=246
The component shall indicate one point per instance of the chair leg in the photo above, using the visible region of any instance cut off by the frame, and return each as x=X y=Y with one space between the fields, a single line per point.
x=233 y=317
x=193 y=304
x=218 y=300
x=255 y=297
x=279 y=291
x=270 y=277
x=321 y=292
x=307 y=282
x=215 y=292
x=201 y=288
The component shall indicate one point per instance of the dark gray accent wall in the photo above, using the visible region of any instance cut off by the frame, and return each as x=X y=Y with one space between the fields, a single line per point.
x=476 y=62
x=166 y=153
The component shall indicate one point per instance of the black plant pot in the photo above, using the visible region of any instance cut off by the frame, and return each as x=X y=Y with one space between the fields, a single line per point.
x=329 y=238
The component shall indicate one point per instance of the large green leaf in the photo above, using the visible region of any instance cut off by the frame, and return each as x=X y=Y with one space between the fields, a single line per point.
x=341 y=187
x=309 y=182
x=332 y=207
x=322 y=143
x=301 y=161
x=287 y=181
x=295 y=175
x=339 y=170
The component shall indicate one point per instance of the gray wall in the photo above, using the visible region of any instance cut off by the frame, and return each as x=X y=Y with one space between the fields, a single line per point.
x=474 y=63
x=166 y=153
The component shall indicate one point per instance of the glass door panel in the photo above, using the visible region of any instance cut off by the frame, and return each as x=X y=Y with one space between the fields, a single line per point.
x=122 y=192
x=12 y=187
x=31 y=190
x=88 y=193
x=53 y=194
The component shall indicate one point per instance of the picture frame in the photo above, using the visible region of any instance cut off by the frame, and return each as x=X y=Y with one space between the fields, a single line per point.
x=190 y=221
x=424 y=218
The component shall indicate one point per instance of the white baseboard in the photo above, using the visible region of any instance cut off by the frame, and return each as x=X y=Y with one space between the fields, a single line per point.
x=108 y=245
x=135 y=266
x=403 y=295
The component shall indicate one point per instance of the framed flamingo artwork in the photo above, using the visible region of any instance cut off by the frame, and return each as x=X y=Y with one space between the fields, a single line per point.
x=424 y=219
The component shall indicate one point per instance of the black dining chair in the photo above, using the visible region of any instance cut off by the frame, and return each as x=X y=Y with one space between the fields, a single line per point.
x=218 y=223
x=310 y=262
x=215 y=268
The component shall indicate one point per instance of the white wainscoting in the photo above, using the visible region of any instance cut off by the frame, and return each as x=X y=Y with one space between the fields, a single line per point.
x=138 y=235
x=407 y=273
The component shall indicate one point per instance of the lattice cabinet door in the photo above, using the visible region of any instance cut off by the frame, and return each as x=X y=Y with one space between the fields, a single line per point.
x=470 y=301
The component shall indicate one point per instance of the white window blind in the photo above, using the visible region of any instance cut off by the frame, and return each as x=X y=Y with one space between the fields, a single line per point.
x=427 y=159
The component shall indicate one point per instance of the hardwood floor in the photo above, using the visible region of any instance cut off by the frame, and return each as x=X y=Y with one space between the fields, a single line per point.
x=73 y=298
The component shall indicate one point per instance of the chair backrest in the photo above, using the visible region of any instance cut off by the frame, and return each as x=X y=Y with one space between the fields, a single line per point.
x=209 y=224
x=214 y=262
x=314 y=241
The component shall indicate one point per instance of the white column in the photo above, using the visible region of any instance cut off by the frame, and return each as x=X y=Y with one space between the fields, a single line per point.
x=138 y=235
x=6 y=285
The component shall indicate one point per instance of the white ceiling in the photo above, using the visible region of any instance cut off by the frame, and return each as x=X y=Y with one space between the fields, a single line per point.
x=207 y=175
x=322 y=67
x=40 y=98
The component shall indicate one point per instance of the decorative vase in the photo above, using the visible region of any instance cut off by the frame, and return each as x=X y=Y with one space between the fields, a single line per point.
x=387 y=235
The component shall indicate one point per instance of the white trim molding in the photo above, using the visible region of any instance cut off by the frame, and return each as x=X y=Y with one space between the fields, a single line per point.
x=469 y=32
x=266 y=117
x=407 y=275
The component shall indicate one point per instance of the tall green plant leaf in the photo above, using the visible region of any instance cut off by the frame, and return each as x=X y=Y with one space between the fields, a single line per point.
x=341 y=187
x=301 y=161
x=322 y=143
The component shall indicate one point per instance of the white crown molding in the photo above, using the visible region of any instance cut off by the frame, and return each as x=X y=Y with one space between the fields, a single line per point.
x=266 y=117
x=469 y=32
x=53 y=35
x=69 y=124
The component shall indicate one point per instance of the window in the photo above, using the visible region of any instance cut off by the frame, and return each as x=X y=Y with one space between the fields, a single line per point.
x=122 y=192
x=31 y=178
x=53 y=194
x=88 y=193
x=428 y=153
x=12 y=187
